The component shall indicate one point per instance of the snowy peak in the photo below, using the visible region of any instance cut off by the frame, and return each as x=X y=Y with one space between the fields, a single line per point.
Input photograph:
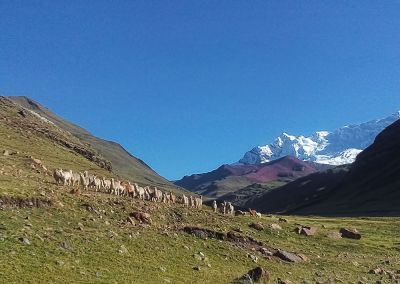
x=334 y=148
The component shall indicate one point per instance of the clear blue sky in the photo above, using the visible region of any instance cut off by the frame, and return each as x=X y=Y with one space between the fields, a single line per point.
x=190 y=85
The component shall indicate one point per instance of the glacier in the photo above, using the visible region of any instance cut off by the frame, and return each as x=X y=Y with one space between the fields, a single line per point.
x=338 y=147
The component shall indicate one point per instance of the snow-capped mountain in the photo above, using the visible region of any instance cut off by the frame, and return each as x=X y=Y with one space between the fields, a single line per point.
x=334 y=148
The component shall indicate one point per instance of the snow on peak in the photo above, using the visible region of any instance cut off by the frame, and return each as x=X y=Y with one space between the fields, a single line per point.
x=335 y=148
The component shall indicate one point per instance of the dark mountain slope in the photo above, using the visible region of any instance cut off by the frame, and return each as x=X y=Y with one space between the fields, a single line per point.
x=229 y=178
x=370 y=186
x=123 y=163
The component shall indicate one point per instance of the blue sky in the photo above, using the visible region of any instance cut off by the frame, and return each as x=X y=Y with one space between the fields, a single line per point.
x=190 y=85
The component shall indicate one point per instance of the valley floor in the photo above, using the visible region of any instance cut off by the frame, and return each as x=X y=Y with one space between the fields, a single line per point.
x=85 y=239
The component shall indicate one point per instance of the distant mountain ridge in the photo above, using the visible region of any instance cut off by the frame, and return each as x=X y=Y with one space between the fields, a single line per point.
x=333 y=148
x=229 y=178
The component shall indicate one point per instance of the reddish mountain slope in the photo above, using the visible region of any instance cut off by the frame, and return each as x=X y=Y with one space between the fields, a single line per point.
x=229 y=178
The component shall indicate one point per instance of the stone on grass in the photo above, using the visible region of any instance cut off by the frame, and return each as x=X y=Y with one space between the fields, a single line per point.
x=275 y=227
x=257 y=226
x=256 y=275
x=306 y=230
x=288 y=256
x=350 y=233
x=24 y=240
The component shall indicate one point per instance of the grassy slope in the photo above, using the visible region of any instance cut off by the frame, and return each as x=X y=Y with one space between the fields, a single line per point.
x=124 y=164
x=159 y=253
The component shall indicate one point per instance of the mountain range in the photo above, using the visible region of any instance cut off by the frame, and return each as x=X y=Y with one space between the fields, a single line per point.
x=338 y=147
x=368 y=187
x=282 y=162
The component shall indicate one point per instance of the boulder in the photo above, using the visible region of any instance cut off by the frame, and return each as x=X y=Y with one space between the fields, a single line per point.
x=257 y=226
x=334 y=235
x=306 y=230
x=259 y=275
x=275 y=227
x=350 y=233
x=256 y=275
x=288 y=256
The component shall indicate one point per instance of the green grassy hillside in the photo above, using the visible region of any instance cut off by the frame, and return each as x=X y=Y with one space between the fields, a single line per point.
x=123 y=163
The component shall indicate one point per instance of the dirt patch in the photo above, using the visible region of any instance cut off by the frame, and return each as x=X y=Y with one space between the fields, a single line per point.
x=20 y=202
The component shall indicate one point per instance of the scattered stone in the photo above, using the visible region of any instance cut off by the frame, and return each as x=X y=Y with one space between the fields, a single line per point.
x=197 y=268
x=256 y=275
x=303 y=257
x=257 y=226
x=130 y=220
x=288 y=256
x=80 y=227
x=245 y=279
x=280 y=281
x=123 y=250
x=350 y=234
x=334 y=235
x=36 y=161
x=60 y=263
x=265 y=251
x=306 y=230
x=163 y=269
x=275 y=227
x=253 y=257
x=142 y=217
x=239 y=230
x=65 y=246
x=24 y=240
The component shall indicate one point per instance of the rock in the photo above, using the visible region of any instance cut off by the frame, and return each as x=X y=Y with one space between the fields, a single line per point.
x=24 y=240
x=60 y=263
x=130 y=220
x=259 y=275
x=6 y=153
x=275 y=227
x=197 y=268
x=163 y=269
x=257 y=226
x=80 y=227
x=288 y=256
x=303 y=257
x=265 y=251
x=36 y=161
x=123 y=249
x=306 y=230
x=65 y=246
x=350 y=234
x=334 y=235
x=239 y=230
x=245 y=279
x=256 y=275
x=142 y=217
x=253 y=257
x=280 y=281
